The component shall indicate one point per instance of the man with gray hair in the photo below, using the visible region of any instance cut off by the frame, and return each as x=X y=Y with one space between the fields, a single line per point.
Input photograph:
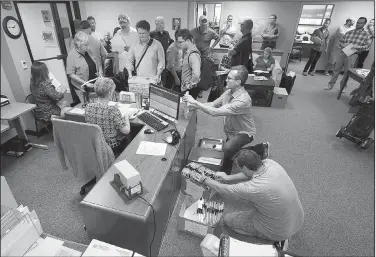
x=235 y=105
x=161 y=34
x=241 y=53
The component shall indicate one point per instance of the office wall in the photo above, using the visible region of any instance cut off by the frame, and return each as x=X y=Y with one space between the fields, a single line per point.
x=13 y=51
x=343 y=10
x=106 y=13
x=287 y=13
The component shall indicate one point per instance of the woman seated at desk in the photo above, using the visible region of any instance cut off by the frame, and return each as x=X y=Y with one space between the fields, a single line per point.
x=265 y=62
x=81 y=67
x=47 y=99
x=114 y=126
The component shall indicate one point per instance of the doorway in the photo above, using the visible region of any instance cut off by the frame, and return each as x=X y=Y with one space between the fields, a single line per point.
x=48 y=28
x=212 y=11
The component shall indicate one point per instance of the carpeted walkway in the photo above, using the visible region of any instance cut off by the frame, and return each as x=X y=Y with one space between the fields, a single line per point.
x=335 y=181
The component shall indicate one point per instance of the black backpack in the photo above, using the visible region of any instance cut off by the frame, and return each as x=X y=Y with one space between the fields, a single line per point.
x=207 y=72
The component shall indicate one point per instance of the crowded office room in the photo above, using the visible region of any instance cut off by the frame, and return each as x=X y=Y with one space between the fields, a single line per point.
x=187 y=128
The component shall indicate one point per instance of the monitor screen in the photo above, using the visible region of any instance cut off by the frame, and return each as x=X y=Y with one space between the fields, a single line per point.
x=164 y=100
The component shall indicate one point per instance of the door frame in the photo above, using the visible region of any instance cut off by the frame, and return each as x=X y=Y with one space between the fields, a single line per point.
x=58 y=29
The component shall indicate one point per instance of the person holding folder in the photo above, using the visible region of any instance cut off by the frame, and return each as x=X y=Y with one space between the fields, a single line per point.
x=352 y=43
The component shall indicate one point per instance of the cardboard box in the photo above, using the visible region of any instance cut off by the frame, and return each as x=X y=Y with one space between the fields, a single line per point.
x=279 y=97
x=191 y=226
x=211 y=143
x=198 y=155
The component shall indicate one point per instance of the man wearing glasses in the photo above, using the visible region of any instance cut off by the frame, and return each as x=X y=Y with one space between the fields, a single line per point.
x=235 y=105
x=270 y=33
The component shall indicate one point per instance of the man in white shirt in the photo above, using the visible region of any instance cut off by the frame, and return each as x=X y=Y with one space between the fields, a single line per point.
x=128 y=35
x=146 y=57
x=227 y=33
x=341 y=31
x=95 y=34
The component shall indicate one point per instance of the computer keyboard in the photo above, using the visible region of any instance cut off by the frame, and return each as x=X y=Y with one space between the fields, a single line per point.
x=152 y=121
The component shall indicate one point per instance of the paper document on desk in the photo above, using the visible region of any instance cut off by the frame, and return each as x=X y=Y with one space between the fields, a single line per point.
x=117 y=44
x=260 y=71
x=99 y=248
x=79 y=111
x=210 y=160
x=240 y=248
x=348 y=51
x=151 y=148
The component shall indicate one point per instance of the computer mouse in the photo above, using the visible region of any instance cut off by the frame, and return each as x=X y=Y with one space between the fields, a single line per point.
x=149 y=131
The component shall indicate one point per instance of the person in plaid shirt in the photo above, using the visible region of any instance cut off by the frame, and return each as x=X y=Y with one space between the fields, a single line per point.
x=360 y=39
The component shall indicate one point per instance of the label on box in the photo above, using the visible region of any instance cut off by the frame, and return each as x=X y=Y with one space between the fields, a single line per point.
x=196 y=228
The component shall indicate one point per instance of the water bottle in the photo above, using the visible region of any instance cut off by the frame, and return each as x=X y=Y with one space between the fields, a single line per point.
x=186 y=109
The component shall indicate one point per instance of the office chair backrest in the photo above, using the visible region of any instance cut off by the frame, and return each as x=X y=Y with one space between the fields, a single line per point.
x=85 y=147
x=30 y=99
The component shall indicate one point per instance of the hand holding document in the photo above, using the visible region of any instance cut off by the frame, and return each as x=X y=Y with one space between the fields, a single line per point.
x=349 y=49
x=117 y=44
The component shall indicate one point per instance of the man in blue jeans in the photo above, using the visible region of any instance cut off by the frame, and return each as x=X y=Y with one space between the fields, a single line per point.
x=235 y=105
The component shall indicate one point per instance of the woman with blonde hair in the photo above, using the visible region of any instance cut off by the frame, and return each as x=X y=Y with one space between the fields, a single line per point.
x=48 y=100
x=265 y=62
x=81 y=67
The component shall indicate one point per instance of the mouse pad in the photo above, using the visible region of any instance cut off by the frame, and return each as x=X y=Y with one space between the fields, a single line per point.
x=115 y=184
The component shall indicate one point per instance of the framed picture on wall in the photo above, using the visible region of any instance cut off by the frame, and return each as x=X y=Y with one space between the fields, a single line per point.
x=49 y=38
x=176 y=23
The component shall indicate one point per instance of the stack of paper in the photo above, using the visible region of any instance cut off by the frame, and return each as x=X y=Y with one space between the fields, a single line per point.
x=240 y=248
x=99 y=248
x=51 y=247
x=151 y=148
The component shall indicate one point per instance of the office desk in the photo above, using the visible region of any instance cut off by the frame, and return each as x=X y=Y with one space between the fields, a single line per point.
x=261 y=91
x=351 y=73
x=306 y=45
x=12 y=113
x=109 y=219
x=219 y=52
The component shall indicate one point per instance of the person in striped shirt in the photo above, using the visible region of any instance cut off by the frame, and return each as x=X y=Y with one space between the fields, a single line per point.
x=360 y=40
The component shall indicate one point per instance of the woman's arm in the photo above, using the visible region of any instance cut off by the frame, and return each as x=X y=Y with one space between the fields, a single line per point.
x=51 y=92
x=127 y=128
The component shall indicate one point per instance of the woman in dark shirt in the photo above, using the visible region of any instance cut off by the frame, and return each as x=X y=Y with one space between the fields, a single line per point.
x=47 y=99
x=265 y=62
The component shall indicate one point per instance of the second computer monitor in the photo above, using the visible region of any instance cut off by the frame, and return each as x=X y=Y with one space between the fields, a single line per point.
x=164 y=100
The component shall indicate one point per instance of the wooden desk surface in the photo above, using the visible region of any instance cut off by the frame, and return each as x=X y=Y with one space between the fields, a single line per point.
x=265 y=83
x=14 y=110
x=353 y=74
x=152 y=169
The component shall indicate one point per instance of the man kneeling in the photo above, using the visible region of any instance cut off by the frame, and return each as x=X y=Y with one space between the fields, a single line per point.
x=275 y=212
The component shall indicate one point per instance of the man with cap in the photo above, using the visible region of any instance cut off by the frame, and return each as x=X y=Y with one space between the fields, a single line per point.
x=129 y=37
x=270 y=33
x=241 y=53
x=95 y=47
x=202 y=37
x=341 y=31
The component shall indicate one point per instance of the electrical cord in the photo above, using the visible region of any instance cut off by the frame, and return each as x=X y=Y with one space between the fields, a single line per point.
x=155 y=225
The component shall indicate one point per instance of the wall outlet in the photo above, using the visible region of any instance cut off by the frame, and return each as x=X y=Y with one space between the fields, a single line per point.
x=24 y=65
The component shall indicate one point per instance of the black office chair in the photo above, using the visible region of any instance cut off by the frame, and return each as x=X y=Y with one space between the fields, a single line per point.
x=46 y=123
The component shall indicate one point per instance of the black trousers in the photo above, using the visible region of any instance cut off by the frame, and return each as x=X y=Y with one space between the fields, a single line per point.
x=194 y=92
x=312 y=61
x=265 y=44
x=170 y=81
x=361 y=58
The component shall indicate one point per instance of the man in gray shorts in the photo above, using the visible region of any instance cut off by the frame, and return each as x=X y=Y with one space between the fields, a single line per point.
x=275 y=212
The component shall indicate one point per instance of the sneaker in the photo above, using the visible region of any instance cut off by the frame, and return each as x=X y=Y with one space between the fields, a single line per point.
x=344 y=90
x=266 y=151
x=200 y=94
x=326 y=73
x=328 y=87
x=304 y=73
x=311 y=73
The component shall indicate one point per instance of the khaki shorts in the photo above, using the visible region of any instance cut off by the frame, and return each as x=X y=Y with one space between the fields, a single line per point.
x=333 y=55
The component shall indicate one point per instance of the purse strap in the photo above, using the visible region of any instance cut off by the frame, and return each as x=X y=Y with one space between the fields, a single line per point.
x=147 y=47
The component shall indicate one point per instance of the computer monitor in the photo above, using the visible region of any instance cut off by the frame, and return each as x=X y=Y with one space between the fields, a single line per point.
x=164 y=100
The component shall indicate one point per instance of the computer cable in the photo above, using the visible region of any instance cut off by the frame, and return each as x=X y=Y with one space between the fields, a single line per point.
x=155 y=225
